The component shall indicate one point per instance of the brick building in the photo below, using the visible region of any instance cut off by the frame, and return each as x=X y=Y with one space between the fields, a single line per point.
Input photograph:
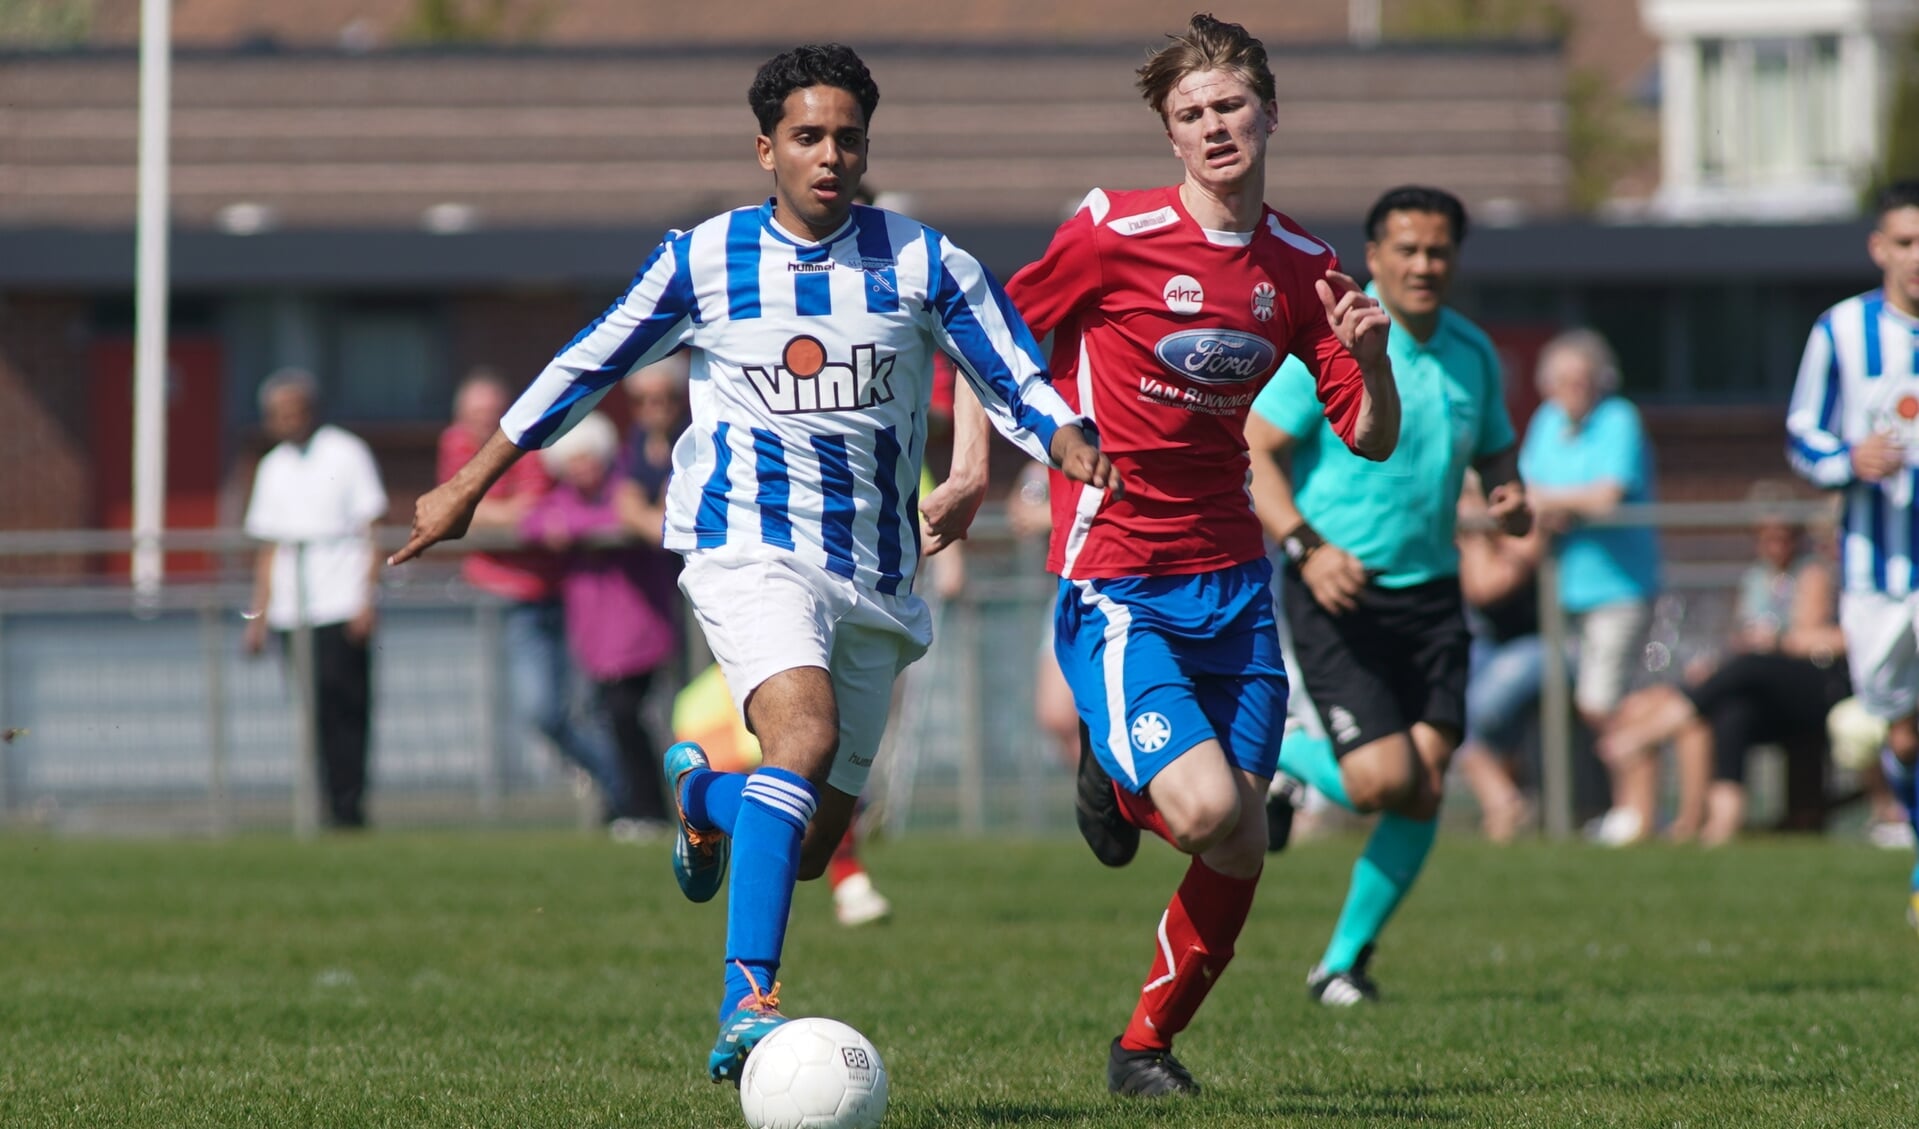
x=391 y=218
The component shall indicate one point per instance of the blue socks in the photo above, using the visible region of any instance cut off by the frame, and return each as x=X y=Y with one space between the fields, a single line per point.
x=769 y=819
x=712 y=799
x=1311 y=759
x=1904 y=782
x=1394 y=856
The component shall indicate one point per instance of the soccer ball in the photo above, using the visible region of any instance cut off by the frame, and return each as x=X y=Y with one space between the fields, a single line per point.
x=1856 y=735
x=813 y=1074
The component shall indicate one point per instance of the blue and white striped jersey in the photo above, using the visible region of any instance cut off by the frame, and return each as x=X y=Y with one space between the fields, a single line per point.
x=810 y=381
x=1860 y=374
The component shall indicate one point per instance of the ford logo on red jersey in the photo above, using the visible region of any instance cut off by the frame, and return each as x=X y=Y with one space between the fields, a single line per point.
x=1217 y=356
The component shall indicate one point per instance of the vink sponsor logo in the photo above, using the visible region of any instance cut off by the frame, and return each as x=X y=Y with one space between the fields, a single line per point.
x=1216 y=356
x=805 y=381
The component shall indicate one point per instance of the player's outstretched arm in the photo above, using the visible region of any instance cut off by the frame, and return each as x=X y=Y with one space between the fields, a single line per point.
x=1079 y=460
x=1362 y=326
x=444 y=512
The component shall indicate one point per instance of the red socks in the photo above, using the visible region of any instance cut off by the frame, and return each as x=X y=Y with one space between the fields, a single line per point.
x=1195 y=943
x=1141 y=813
x=845 y=862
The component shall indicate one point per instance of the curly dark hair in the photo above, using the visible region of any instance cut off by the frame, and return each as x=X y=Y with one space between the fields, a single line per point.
x=810 y=64
x=1418 y=198
x=1899 y=194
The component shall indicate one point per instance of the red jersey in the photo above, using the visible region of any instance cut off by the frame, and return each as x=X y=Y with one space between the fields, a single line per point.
x=1163 y=333
x=524 y=577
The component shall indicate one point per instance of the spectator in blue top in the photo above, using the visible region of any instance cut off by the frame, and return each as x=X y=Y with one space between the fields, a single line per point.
x=1584 y=456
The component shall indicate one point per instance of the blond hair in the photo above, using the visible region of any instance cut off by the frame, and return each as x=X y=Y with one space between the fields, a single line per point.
x=1207 y=44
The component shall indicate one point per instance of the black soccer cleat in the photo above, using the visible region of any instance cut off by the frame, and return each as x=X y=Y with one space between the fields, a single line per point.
x=1147 y=1074
x=1283 y=798
x=1096 y=809
x=1344 y=989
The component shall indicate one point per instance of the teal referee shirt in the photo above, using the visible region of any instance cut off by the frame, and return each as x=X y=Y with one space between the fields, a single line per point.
x=1398 y=516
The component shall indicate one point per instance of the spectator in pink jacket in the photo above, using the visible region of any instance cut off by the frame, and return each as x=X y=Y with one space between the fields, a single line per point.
x=620 y=599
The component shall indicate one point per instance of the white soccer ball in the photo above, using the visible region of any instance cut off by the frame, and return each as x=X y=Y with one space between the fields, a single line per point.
x=813 y=1074
x=1856 y=735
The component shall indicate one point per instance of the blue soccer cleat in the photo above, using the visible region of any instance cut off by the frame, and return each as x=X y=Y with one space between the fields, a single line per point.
x=753 y=1020
x=699 y=857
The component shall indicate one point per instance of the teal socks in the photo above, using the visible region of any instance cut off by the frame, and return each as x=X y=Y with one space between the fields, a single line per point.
x=1394 y=856
x=1311 y=759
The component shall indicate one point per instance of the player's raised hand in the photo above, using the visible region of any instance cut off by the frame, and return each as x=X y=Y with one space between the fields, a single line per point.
x=947 y=513
x=441 y=514
x=1506 y=507
x=1878 y=457
x=1080 y=461
x=1359 y=322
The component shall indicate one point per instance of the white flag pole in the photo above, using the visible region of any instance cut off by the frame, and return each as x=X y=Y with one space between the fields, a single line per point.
x=150 y=301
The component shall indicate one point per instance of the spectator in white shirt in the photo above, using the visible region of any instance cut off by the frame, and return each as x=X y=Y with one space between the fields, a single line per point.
x=315 y=498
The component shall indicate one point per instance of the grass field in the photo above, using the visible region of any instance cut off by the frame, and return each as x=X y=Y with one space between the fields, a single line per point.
x=552 y=980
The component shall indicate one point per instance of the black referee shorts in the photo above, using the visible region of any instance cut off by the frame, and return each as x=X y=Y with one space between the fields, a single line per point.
x=1400 y=657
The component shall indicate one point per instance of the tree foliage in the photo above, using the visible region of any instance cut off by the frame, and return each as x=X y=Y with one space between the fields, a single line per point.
x=475 y=22
x=44 y=23
x=1900 y=159
x=1477 y=19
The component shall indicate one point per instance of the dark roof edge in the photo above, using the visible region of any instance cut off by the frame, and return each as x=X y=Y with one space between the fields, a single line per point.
x=60 y=259
x=272 y=49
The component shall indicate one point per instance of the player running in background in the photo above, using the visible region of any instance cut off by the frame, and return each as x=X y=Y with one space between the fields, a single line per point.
x=1371 y=592
x=811 y=325
x=1854 y=426
x=1170 y=308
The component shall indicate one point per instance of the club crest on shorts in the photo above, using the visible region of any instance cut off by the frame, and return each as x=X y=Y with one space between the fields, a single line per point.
x=1264 y=297
x=1151 y=731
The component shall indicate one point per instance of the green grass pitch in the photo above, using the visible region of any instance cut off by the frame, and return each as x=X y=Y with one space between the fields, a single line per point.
x=529 y=980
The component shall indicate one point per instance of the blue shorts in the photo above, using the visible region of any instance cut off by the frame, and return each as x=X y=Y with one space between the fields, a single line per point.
x=1160 y=664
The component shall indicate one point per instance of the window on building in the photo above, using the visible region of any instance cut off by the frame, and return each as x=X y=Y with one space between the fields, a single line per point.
x=1769 y=111
x=388 y=362
x=378 y=359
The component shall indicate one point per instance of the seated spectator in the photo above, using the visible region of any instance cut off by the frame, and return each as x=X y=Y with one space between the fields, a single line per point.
x=1584 y=456
x=1497 y=577
x=1786 y=672
x=619 y=602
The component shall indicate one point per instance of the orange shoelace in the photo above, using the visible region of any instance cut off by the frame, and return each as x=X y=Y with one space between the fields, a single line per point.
x=759 y=1000
x=701 y=841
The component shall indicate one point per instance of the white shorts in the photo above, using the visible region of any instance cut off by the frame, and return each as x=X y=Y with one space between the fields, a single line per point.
x=1883 y=651
x=765 y=611
x=1611 y=638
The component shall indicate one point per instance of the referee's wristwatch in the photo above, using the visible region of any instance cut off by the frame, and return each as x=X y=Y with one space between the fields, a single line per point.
x=1300 y=543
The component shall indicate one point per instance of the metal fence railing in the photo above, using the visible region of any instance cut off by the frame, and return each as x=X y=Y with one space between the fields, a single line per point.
x=139 y=711
x=131 y=713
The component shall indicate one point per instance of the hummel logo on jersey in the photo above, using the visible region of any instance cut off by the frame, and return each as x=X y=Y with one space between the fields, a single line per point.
x=798 y=267
x=1182 y=294
x=804 y=381
x=1151 y=221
